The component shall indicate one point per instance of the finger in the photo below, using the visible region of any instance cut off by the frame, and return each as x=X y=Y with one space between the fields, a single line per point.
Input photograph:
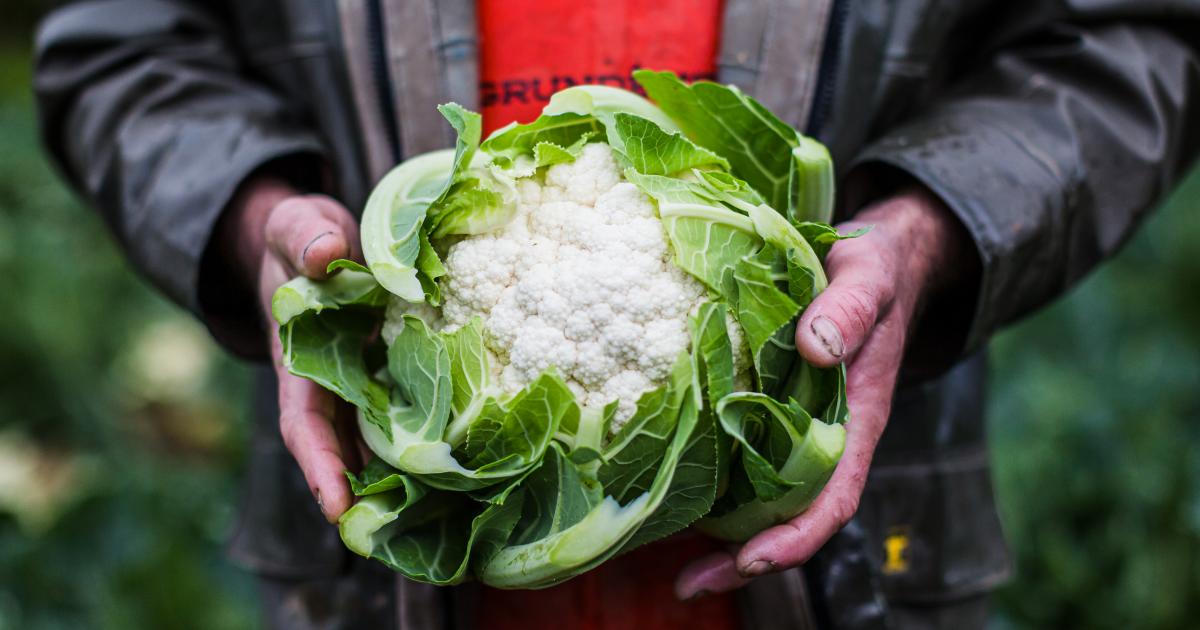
x=335 y=211
x=794 y=542
x=306 y=414
x=714 y=573
x=872 y=378
x=841 y=317
x=273 y=274
x=308 y=235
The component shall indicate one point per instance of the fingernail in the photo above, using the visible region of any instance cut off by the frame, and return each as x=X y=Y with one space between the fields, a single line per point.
x=758 y=567
x=698 y=595
x=830 y=336
x=317 y=495
x=304 y=254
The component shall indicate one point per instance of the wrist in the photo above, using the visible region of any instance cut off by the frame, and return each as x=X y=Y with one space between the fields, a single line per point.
x=933 y=248
x=936 y=275
x=242 y=230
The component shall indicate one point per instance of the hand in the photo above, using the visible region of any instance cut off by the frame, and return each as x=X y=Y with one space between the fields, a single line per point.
x=877 y=285
x=278 y=234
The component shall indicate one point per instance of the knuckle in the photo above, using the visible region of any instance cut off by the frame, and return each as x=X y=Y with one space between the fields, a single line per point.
x=294 y=204
x=856 y=308
x=287 y=430
x=286 y=212
x=327 y=204
x=843 y=509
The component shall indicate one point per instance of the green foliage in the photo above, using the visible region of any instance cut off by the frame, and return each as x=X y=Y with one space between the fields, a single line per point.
x=1095 y=417
x=121 y=425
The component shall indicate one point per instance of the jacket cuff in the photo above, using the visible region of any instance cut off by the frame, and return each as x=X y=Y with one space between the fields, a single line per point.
x=213 y=292
x=1002 y=189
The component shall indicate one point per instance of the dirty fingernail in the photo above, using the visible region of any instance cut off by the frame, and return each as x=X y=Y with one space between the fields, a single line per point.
x=830 y=336
x=304 y=254
x=758 y=567
x=698 y=595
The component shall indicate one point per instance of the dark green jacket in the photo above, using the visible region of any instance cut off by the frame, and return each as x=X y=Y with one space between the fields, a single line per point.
x=1050 y=128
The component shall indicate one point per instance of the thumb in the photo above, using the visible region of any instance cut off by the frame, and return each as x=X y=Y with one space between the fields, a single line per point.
x=307 y=233
x=838 y=321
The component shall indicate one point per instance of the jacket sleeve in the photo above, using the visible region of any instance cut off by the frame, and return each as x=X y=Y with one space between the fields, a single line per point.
x=145 y=108
x=1050 y=152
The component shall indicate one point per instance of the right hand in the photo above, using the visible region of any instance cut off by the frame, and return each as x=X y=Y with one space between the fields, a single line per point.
x=281 y=234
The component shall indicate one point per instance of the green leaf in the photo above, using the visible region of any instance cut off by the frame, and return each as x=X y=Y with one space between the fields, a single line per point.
x=393 y=218
x=469 y=374
x=823 y=390
x=327 y=348
x=729 y=189
x=652 y=151
x=786 y=455
x=599 y=534
x=689 y=493
x=377 y=476
x=420 y=368
x=810 y=183
x=822 y=236
x=632 y=457
x=767 y=315
x=416 y=440
x=432 y=536
x=801 y=280
x=693 y=487
x=714 y=375
x=707 y=237
x=348 y=287
x=554 y=538
x=713 y=350
x=557 y=496
x=603 y=103
x=429 y=269
x=394 y=239
x=468 y=126
x=724 y=120
x=563 y=130
x=515 y=434
x=471 y=201
x=548 y=153
x=471 y=208
x=360 y=524
x=776 y=230
x=342 y=263
x=761 y=306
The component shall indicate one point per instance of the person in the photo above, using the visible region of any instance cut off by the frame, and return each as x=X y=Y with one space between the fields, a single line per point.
x=1001 y=150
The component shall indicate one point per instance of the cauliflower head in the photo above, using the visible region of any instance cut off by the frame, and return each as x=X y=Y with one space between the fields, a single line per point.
x=534 y=287
x=580 y=280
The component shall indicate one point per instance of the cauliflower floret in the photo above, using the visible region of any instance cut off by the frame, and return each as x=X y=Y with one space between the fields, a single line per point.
x=581 y=279
x=593 y=173
x=743 y=381
x=393 y=318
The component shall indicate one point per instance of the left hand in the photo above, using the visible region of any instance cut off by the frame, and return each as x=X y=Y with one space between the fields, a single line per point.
x=877 y=285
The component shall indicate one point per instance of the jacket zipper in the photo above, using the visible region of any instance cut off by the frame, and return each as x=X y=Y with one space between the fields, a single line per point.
x=379 y=73
x=830 y=61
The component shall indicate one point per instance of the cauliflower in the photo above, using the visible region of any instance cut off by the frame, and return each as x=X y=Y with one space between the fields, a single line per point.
x=527 y=281
x=581 y=279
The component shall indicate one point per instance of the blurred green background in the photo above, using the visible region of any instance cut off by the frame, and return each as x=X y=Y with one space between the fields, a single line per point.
x=122 y=427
